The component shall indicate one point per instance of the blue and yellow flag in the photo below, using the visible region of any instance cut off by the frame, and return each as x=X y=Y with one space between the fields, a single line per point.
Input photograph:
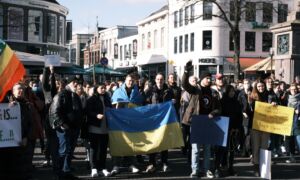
x=143 y=130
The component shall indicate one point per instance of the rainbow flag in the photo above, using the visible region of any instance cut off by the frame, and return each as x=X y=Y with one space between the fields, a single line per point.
x=143 y=130
x=11 y=69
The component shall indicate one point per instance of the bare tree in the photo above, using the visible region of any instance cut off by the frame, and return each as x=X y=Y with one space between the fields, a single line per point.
x=232 y=12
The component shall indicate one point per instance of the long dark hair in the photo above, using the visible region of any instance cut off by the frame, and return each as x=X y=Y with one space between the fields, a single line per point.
x=228 y=88
x=255 y=94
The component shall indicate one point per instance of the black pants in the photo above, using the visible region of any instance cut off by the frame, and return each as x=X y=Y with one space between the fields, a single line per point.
x=186 y=132
x=163 y=156
x=98 y=150
x=13 y=163
x=290 y=145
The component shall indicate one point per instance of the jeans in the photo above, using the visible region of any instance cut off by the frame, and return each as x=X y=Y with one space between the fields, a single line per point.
x=64 y=150
x=195 y=157
x=297 y=137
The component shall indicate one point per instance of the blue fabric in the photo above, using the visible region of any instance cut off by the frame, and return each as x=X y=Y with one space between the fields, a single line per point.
x=120 y=95
x=209 y=131
x=139 y=119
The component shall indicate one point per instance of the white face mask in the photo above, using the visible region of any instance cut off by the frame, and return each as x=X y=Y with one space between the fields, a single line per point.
x=114 y=88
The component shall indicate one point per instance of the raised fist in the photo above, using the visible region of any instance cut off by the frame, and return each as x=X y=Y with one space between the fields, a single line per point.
x=189 y=65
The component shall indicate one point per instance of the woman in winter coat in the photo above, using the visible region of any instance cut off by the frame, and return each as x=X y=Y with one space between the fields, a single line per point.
x=294 y=102
x=230 y=108
x=98 y=132
x=259 y=139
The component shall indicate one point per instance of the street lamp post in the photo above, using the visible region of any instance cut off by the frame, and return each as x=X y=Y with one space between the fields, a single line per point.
x=271 y=55
x=104 y=62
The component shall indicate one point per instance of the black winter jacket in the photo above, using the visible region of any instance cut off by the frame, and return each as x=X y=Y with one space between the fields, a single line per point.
x=66 y=108
x=94 y=106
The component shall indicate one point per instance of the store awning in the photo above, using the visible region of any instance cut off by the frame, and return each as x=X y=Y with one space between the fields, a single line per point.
x=245 y=62
x=29 y=59
x=100 y=70
x=264 y=65
x=154 y=59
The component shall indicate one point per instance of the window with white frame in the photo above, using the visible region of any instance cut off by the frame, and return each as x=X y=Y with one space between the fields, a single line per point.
x=186 y=43
x=51 y=28
x=155 y=39
x=162 y=37
x=186 y=15
x=35 y=25
x=62 y=30
x=15 y=23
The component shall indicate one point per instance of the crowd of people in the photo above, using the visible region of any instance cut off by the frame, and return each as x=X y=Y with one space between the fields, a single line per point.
x=57 y=112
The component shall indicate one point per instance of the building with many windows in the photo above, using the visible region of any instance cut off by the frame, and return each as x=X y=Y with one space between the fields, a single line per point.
x=196 y=34
x=35 y=26
x=125 y=55
x=76 y=48
x=105 y=43
x=153 y=46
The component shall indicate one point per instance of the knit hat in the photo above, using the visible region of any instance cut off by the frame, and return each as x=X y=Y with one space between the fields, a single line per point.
x=219 y=76
x=204 y=74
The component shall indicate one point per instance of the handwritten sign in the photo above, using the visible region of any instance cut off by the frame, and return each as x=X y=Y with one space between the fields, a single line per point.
x=273 y=119
x=10 y=125
x=52 y=60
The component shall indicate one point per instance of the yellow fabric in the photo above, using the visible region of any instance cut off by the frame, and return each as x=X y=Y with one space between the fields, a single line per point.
x=128 y=144
x=5 y=58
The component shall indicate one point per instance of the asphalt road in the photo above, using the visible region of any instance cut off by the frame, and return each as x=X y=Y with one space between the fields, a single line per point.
x=180 y=169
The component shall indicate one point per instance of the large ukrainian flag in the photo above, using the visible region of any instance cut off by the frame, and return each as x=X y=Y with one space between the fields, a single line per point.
x=143 y=130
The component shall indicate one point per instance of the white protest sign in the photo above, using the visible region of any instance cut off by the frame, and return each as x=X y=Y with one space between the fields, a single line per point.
x=265 y=163
x=10 y=125
x=52 y=60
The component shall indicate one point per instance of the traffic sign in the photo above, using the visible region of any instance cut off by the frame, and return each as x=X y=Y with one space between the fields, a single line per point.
x=104 y=61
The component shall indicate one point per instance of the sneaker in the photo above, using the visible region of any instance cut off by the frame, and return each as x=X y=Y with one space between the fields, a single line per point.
x=194 y=174
x=46 y=163
x=115 y=170
x=150 y=169
x=133 y=169
x=291 y=160
x=209 y=174
x=218 y=173
x=166 y=168
x=105 y=173
x=94 y=173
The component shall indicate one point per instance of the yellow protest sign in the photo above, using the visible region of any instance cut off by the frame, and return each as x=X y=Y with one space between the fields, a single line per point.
x=273 y=119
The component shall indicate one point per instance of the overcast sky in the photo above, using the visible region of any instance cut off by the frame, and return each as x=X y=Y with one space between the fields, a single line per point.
x=83 y=13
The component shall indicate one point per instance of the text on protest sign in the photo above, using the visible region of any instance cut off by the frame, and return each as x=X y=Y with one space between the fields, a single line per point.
x=10 y=125
x=52 y=60
x=273 y=119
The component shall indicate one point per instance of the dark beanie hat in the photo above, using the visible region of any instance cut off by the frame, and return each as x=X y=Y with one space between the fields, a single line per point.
x=204 y=74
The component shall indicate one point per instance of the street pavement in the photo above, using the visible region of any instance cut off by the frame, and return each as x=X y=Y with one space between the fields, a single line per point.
x=180 y=169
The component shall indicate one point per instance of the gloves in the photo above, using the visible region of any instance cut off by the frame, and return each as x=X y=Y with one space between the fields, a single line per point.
x=188 y=66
